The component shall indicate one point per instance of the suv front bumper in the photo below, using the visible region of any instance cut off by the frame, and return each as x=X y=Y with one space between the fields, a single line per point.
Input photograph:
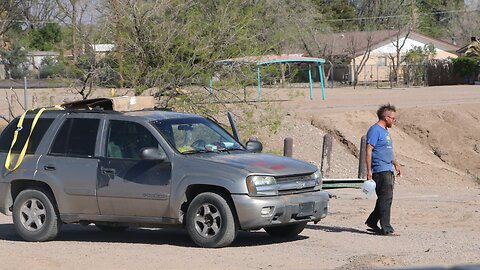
x=280 y=210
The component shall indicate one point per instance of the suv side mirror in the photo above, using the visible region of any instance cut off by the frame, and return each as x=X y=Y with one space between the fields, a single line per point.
x=152 y=153
x=254 y=146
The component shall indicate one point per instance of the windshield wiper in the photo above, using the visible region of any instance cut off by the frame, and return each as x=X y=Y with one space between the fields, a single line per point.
x=230 y=149
x=196 y=151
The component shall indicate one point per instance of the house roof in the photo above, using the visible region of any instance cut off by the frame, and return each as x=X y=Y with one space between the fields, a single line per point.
x=341 y=43
x=103 y=47
x=267 y=59
x=42 y=53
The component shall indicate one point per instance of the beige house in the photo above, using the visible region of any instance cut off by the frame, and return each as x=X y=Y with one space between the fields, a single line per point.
x=352 y=47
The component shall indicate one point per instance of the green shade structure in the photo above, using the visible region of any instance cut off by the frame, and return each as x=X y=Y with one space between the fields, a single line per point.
x=284 y=58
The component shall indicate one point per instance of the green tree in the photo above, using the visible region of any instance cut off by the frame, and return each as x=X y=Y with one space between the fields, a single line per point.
x=15 y=60
x=435 y=18
x=337 y=14
x=170 y=44
x=45 y=38
x=416 y=59
x=467 y=67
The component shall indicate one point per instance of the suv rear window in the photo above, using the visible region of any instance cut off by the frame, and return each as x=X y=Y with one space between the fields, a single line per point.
x=77 y=137
x=40 y=129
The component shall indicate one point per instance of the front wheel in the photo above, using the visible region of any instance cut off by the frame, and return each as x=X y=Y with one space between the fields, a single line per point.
x=210 y=221
x=286 y=231
x=35 y=216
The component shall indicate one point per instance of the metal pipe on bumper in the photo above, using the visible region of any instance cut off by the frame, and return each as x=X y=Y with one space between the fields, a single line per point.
x=282 y=209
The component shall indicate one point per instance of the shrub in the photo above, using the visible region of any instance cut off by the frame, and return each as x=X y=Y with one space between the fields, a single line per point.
x=468 y=67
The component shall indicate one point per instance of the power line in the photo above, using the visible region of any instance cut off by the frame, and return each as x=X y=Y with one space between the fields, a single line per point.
x=322 y=20
x=399 y=16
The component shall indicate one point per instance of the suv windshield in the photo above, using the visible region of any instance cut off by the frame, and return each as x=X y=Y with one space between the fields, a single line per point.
x=196 y=135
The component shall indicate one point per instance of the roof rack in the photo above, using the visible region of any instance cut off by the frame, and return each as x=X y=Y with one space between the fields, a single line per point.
x=120 y=104
x=90 y=104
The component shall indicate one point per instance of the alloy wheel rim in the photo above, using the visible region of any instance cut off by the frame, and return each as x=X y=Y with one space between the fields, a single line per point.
x=33 y=215
x=208 y=220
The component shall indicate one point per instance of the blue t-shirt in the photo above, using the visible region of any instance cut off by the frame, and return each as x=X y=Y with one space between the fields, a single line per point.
x=382 y=154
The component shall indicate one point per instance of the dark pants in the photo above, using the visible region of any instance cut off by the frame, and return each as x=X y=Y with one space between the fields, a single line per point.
x=384 y=189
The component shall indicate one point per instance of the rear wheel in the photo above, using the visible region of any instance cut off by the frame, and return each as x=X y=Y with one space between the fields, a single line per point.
x=286 y=231
x=210 y=221
x=35 y=216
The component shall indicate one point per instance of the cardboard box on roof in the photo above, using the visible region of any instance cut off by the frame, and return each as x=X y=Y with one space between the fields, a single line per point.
x=135 y=103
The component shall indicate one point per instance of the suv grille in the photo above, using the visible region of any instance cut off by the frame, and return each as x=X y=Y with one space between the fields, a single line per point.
x=295 y=184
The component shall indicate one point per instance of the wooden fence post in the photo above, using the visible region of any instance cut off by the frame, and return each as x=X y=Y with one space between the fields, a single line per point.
x=288 y=147
x=362 y=164
x=326 y=154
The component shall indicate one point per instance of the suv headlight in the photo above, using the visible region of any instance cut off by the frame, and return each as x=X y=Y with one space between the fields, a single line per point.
x=318 y=179
x=260 y=185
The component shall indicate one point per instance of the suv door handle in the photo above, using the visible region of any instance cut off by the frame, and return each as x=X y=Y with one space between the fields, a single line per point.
x=108 y=170
x=49 y=168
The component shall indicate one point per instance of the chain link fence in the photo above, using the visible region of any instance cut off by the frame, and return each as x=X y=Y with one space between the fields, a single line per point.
x=430 y=74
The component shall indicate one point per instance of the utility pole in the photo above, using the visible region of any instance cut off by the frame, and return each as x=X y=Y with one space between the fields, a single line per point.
x=413 y=16
x=118 y=44
x=74 y=29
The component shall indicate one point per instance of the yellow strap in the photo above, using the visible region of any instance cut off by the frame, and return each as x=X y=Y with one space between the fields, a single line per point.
x=25 y=146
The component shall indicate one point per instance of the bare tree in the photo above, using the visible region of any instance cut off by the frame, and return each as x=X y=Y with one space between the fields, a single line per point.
x=72 y=12
x=11 y=102
x=10 y=15
x=353 y=52
x=382 y=13
x=466 y=24
x=38 y=12
x=398 y=42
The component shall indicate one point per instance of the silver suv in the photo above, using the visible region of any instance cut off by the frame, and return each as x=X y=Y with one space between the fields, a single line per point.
x=152 y=169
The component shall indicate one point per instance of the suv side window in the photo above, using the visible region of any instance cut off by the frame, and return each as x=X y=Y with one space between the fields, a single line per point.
x=40 y=129
x=126 y=139
x=77 y=137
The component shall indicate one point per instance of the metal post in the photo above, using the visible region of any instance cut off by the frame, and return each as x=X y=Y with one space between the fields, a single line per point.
x=288 y=147
x=25 y=93
x=362 y=160
x=258 y=79
x=310 y=80
x=322 y=84
x=332 y=75
x=326 y=154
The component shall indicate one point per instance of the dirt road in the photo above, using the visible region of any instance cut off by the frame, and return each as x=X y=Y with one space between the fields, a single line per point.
x=436 y=227
x=436 y=206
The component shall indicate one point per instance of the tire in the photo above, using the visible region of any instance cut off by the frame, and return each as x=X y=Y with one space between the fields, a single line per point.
x=111 y=228
x=35 y=216
x=286 y=231
x=210 y=221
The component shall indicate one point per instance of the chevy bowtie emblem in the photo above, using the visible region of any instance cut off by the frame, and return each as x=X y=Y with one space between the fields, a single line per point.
x=300 y=184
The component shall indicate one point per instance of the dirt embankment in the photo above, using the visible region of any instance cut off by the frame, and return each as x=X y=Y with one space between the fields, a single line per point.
x=436 y=137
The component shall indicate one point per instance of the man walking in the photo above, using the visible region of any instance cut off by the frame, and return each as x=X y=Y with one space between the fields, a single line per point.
x=380 y=167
